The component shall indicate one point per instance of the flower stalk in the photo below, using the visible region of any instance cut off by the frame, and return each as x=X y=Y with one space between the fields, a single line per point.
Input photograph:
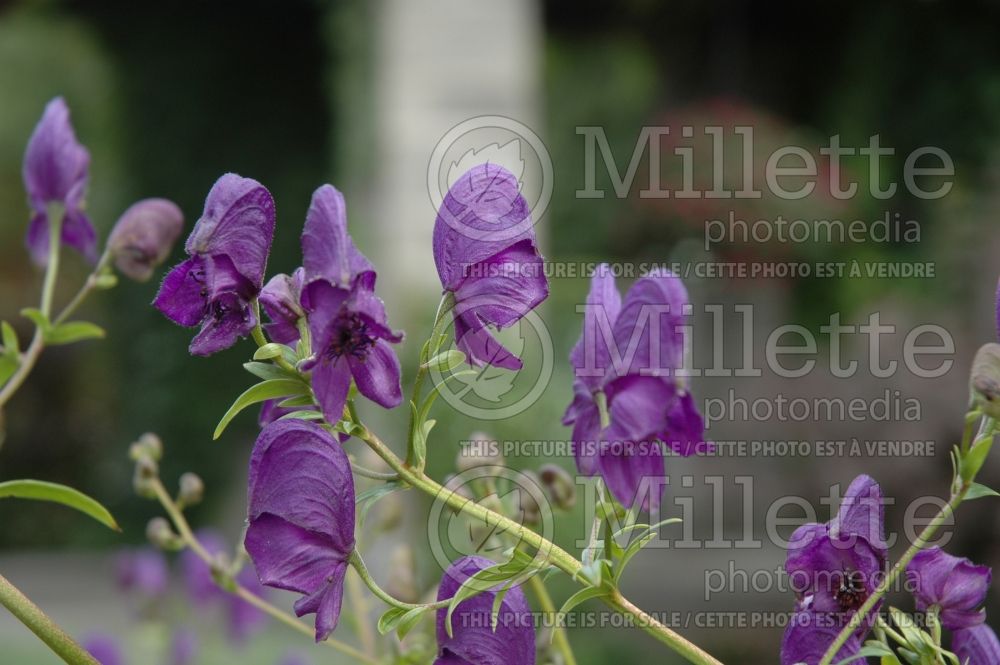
x=32 y=616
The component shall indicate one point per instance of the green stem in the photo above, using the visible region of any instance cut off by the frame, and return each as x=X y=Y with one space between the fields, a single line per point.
x=184 y=529
x=54 y=637
x=359 y=566
x=558 y=632
x=445 y=306
x=547 y=549
x=925 y=537
x=88 y=286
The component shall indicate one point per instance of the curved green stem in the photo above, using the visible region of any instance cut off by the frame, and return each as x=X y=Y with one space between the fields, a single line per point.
x=546 y=548
x=359 y=566
x=445 y=306
x=558 y=632
x=54 y=637
x=187 y=535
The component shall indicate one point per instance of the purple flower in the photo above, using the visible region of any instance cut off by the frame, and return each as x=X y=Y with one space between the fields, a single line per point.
x=834 y=567
x=243 y=619
x=977 y=645
x=347 y=321
x=280 y=298
x=228 y=251
x=143 y=571
x=809 y=635
x=301 y=532
x=104 y=649
x=144 y=235
x=624 y=357
x=473 y=641
x=55 y=172
x=183 y=647
x=953 y=584
x=486 y=256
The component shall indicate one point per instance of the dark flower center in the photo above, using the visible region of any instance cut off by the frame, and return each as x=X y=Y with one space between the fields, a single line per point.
x=225 y=305
x=851 y=593
x=350 y=338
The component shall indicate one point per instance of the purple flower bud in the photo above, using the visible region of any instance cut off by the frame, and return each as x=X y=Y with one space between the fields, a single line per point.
x=954 y=584
x=143 y=571
x=55 y=172
x=347 y=321
x=809 y=635
x=473 y=640
x=228 y=250
x=104 y=649
x=280 y=299
x=977 y=645
x=144 y=235
x=301 y=511
x=486 y=256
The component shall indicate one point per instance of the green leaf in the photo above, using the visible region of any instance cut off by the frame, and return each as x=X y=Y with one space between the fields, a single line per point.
x=582 y=596
x=418 y=443
x=268 y=351
x=871 y=648
x=8 y=365
x=400 y=620
x=267 y=371
x=36 y=316
x=9 y=337
x=978 y=491
x=975 y=458
x=43 y=491
x=308 y=414
x=73 y=331
x=370 y=497
x=497 y=605
x=389 y=620
x=260 y=392
x=484 y=580
x=446 y=361
x=304 y=400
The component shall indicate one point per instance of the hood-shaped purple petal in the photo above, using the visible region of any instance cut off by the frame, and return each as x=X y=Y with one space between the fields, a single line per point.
x=144 y=235
x=301 y=511
x=591 y=356
x=482 y=214
x=809 y=635
x=648 y=338
x=281 y=298
x=473 y=642
x=55 y=164
x=861 y=514
x=955 y=584
x=977 y=645
x=238 y=221
x=327 y=249
x=685 y=433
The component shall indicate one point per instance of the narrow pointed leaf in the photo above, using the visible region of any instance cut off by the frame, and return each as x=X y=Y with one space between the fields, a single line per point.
x=39 y=490
x=260 y=392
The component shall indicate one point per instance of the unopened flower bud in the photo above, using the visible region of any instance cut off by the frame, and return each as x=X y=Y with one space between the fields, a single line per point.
x=144 y=235
x=559 y=485
x=280 y=298
x=143 y=480
x=192 y=490
x=159 y=533
x=985 y=379
x=152 y=445
x=479 y=450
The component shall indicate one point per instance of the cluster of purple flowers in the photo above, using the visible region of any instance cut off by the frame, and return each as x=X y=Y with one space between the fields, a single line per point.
x=835 y=567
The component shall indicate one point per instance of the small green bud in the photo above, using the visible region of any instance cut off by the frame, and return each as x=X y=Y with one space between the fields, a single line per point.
x=192 y=490
x=559 y=486
x=160 y=534
x=146 y=472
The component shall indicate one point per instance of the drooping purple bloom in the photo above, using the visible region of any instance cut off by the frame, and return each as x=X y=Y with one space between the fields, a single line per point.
x=242 y=618
x=144 y=235
x=625 y=357
x=228 y=249
x=104 y=648
x=977 y=645
x=280 y=298
x=809 y=635
x=473 y=641
x=301 y=511
x=347 y=321
x=55 y=172
x=487 y=257
x=954 y=584
x=143 y=571
x=834 y=567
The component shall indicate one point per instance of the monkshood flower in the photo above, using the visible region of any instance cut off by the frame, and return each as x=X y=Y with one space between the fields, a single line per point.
x=956 y=586
x=347 y=321
x=55 y=172
x=144 y=235
x=834 y=567
x=228 y=249
x=487 y=258
x=143 y=571
x=623 y=363
x=242 y=618
x=977 y=645
x=280 y=298
x=808 y=637
x=301 y=511
x=473 y=641
x=104 y=649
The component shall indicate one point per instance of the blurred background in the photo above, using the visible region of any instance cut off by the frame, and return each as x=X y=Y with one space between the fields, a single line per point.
x=168 y=96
